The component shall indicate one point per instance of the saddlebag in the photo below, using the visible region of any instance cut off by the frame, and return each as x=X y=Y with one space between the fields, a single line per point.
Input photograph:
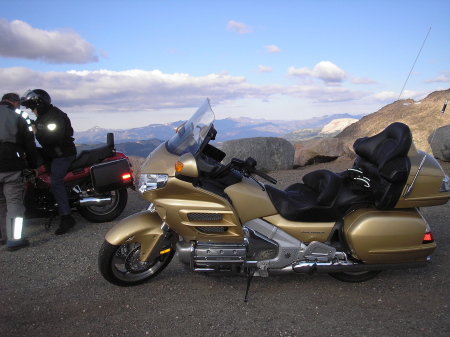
x=111 y=175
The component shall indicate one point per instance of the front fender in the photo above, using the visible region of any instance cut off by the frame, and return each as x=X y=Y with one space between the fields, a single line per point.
x=144 y=228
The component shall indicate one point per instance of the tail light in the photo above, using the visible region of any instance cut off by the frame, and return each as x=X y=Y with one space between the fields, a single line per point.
x=428 y=238
x=126 y=177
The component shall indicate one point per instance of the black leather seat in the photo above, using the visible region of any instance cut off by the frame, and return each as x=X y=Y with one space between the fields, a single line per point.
x=383 y=158
x=90 y=157
x=325 y=196
x=312 y=201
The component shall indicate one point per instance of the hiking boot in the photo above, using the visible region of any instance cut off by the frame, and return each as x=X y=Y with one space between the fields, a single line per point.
x=66 y=223
x=15 y=245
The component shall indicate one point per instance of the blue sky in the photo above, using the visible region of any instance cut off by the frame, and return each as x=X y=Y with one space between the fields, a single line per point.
x=123 y=64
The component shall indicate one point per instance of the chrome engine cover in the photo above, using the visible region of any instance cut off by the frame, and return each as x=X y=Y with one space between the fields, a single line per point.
x=204 y=256
x=266 y=248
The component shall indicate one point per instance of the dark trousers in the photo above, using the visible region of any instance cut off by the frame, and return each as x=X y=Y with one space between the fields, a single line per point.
x=59 y=168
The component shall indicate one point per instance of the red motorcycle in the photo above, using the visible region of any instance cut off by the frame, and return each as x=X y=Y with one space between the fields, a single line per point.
x=96 y=185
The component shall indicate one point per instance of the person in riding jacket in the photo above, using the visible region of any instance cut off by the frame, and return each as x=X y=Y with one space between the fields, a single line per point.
x=17 y=152
x=54 y=132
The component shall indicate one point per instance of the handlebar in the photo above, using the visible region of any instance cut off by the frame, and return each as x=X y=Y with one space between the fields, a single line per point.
x=248 y=167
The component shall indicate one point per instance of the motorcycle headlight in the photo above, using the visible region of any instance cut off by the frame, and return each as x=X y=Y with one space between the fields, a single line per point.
x=445 y=187
x=148 y=182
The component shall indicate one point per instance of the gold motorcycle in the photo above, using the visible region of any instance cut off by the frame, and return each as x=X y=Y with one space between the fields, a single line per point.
x=351 y=225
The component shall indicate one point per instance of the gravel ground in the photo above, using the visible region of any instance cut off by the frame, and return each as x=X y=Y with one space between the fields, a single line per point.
x=53 y=288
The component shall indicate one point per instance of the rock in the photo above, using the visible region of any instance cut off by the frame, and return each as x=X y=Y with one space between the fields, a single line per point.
x=271 y=153
x=441 y=143
x=318 y=151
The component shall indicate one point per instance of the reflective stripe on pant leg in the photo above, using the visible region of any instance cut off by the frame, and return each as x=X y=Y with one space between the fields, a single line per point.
x=13 y=188
x=18 y=225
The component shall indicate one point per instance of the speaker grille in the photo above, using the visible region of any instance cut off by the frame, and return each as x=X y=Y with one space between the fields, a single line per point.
x=212 y=230
x=204 y=217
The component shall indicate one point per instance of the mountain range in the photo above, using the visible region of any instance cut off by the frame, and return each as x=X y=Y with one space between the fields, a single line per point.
x=228 y=129
x=423 y=117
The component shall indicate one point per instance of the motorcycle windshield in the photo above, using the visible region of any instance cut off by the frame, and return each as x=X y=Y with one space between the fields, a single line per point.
x=191 y=135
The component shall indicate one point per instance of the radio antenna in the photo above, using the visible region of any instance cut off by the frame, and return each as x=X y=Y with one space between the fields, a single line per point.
x=401 y=92
x=410 y=187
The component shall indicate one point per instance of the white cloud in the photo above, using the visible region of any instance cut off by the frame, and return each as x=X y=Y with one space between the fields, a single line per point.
x=140 y=90
x=315 y=93
x=264 y=69
x=19 y=40
x=272 y=49
x=445 y=77
x=386 y=96
x=118 y=91
x=390 y=96
x=324 y=70
x=238 y=27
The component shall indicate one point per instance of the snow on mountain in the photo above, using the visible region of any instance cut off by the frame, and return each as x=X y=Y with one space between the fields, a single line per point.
x=337 y=125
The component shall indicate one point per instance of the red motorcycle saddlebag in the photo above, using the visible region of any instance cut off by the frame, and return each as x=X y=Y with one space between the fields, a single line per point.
x=111 y=175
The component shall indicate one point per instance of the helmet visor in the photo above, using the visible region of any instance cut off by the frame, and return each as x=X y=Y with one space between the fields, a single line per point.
x=29 y=99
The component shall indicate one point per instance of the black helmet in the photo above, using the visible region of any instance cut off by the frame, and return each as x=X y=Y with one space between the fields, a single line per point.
x=36 y=98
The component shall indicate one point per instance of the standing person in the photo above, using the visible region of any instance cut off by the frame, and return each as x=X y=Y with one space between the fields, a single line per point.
x=17 y=152
x=54 y=132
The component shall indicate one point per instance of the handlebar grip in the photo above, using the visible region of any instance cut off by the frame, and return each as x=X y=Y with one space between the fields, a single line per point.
x=265 y=176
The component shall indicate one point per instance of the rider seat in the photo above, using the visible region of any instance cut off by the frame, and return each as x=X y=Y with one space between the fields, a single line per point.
x=89 y=157
x=312 y=201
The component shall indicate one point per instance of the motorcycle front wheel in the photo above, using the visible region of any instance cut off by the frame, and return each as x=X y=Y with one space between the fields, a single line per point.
x=120 y=265
x=355 y=276
x=108 y=212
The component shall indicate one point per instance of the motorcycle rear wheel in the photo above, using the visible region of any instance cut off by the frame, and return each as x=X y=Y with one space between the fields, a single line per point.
x=121 y=266
x=355 y=276
x=109 y=212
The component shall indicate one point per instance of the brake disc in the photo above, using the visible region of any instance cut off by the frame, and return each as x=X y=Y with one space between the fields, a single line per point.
x=133 y=264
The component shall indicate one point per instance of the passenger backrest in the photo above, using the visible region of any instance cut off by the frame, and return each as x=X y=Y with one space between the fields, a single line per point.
x=384 y=159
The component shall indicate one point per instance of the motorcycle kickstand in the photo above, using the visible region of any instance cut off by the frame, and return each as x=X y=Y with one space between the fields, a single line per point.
x=48 y=224
x=250 y=272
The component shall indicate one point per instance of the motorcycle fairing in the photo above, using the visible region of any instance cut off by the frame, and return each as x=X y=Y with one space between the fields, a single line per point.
x=250 y=200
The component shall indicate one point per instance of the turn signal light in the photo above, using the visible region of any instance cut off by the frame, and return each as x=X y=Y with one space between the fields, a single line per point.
x=428 y=238
x=178 y=166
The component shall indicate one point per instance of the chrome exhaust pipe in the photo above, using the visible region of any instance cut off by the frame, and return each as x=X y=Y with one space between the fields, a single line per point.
x=87 y=202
